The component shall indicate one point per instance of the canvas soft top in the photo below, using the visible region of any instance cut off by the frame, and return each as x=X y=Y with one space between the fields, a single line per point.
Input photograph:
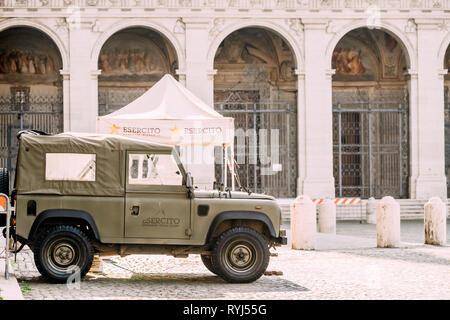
x=110 y=162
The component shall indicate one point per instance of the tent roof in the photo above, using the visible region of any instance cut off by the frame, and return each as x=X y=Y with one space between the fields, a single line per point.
x=110 y=158
x=167 y=99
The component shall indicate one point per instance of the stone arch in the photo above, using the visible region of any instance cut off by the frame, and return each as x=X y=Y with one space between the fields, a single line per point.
x=269 y=26
x=31 y=84
x=137 y=24
x=11 y=23
x=390 y=29
x=256 y=84
x=371 y=145
x=442 y=52
x=131 y=61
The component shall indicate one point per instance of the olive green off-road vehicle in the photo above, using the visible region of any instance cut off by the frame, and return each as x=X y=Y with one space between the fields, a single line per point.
x=76 y=195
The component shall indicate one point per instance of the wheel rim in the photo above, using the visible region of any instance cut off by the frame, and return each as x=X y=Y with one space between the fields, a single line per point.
x=62 y=254
x=240 y=256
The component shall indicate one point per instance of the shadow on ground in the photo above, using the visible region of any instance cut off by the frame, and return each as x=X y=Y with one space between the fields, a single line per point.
x=414 y=253
x=163 y=286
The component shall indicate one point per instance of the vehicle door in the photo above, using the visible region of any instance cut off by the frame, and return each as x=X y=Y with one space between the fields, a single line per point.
x=157 y=203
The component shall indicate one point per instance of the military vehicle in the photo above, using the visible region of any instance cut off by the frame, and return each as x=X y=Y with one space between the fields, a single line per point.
x=76 y=195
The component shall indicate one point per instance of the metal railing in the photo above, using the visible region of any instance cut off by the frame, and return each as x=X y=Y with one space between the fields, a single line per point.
x=370 y=149
x=276 y=118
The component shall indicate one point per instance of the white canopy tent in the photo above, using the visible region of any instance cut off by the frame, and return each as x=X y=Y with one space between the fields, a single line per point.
x=168 y=113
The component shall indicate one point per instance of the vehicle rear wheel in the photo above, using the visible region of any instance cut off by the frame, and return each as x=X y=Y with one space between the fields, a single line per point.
x=4 y=181
x=61 y=252
x=240 y=255
x=208 y=263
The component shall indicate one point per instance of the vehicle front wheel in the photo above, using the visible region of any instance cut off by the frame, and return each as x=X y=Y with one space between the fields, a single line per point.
x=240 y=255
x=62 y=252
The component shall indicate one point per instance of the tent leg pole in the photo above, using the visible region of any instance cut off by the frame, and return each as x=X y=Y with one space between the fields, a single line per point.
x=225 y=179
x=233 y=186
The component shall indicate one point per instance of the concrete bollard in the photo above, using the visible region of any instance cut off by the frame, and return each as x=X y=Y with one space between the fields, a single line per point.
x=435 y=222
x=371 y=211
x=303 y=223
x=388 y=223
x=327 y=216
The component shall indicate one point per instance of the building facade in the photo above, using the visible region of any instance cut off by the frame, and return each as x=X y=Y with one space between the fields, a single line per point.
x=354 y=93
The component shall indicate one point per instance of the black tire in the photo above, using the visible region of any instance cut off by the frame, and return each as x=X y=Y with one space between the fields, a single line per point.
x=4 y=181
x=59 y=249
x=208 y=263
x=240 y=255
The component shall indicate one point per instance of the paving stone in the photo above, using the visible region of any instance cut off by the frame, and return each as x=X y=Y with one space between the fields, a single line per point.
x=413 y=271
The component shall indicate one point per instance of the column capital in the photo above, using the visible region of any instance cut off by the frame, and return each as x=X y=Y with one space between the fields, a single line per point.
x=65 y=74
x=429 y=24
x=329 y=73
x=95 y=74
x=197 y=23
x=314 y=24
x=211 y=73
x=180 y=72
x=414 y=74
x=300 y=73
x=442 y=73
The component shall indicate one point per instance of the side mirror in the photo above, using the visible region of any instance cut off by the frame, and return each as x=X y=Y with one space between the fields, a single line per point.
x=189 y=180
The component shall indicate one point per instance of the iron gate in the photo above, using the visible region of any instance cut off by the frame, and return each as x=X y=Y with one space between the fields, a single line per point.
x=261 y=130
x=370 y=148
x=24 y=111
x=112 y=99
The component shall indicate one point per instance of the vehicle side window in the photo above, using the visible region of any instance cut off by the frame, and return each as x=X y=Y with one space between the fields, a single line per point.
x=153 y=169
x=69 y=167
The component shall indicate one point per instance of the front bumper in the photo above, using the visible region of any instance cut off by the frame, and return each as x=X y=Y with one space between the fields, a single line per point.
x=282 y=239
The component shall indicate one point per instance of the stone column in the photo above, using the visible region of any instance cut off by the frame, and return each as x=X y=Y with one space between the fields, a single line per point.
x=199 y=79
x=429 y=116
x=66 y=99
x=199 y=76
x=413 y=132
x=94 y=93
x=301 y=133
x=316 y=132
x=82 y=114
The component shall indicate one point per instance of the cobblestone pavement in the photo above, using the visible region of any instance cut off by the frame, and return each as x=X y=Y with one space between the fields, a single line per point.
x=413 y=271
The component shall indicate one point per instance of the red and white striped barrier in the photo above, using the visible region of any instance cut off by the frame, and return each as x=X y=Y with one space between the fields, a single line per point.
x=340 y=201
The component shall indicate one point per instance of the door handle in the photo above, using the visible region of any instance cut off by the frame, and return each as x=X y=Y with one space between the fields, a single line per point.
x=135 y=210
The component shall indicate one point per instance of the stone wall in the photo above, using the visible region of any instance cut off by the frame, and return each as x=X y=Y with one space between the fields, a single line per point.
x=310 y=31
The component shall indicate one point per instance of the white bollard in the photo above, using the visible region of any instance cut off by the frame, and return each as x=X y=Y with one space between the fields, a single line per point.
x=388 y=223
x=303 y=223
x=327 y=216
x=371 y=211
x=435 y=222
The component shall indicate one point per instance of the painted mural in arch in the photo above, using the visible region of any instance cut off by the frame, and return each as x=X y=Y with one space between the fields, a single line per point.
x=30 y=88
x=370 y=116
x=256 y=84
x=132 y=61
